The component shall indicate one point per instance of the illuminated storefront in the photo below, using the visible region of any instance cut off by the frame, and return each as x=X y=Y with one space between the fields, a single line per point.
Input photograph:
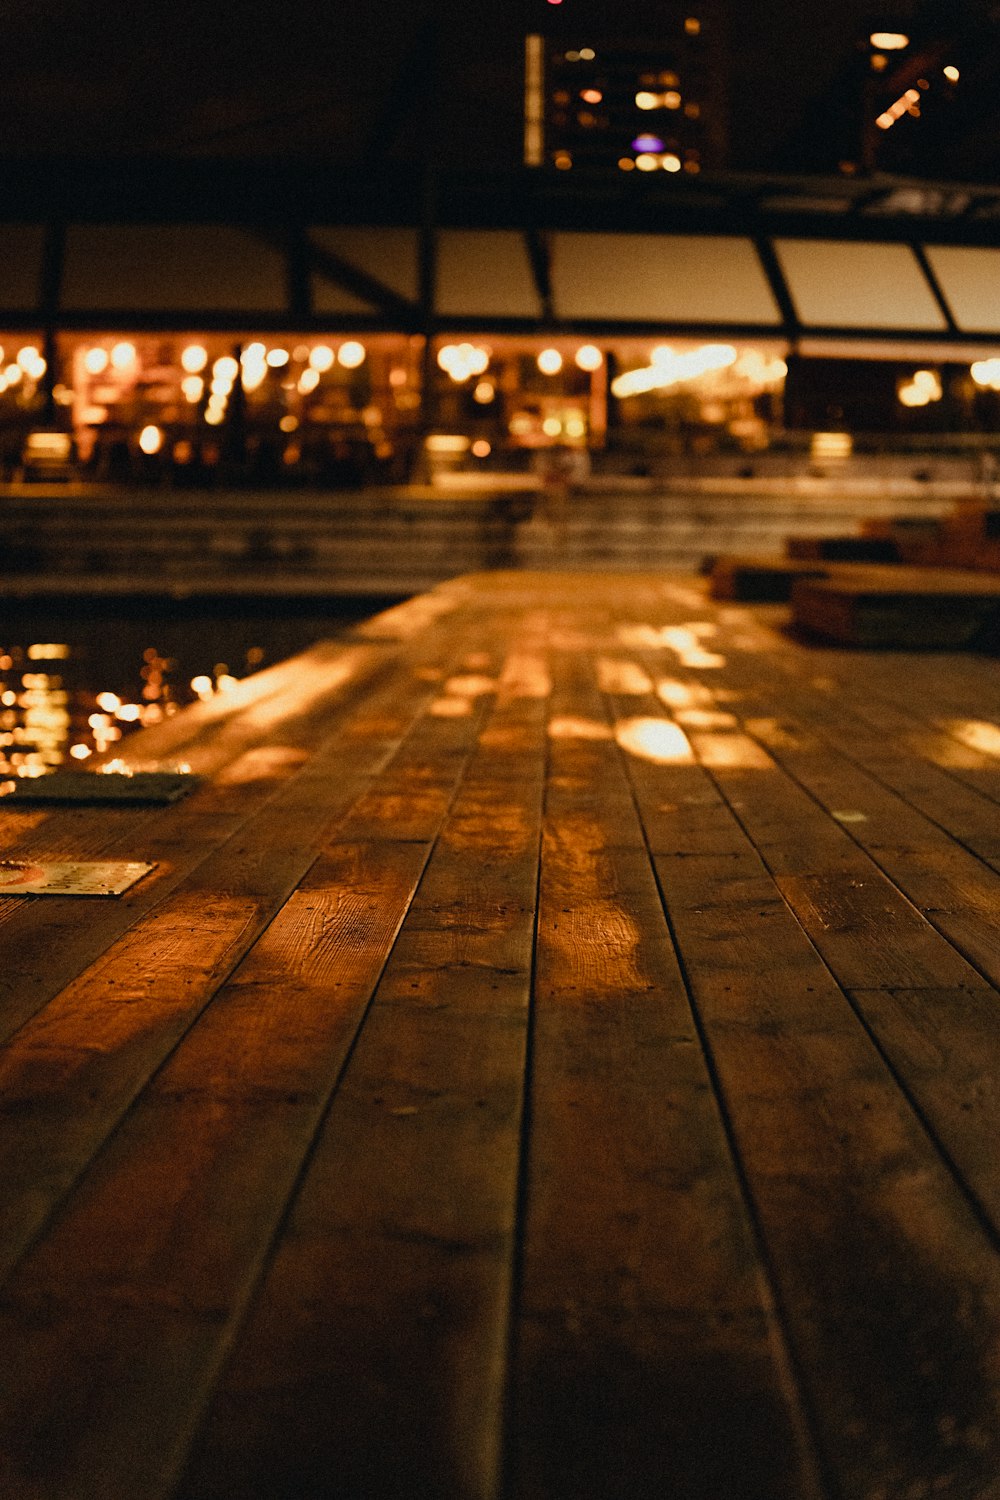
x=186 y=352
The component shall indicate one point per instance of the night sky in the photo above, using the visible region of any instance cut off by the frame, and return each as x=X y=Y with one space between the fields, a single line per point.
x=317 y=78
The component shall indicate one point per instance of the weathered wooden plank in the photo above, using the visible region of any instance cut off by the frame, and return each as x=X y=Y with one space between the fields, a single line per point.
x=827 y=1141
x=874 y=1248
x=646 y=1323
x=373 y=1359
x=149 y=1266
x=44 y=945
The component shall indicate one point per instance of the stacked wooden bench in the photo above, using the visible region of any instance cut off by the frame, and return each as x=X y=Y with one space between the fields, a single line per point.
x=926 y=584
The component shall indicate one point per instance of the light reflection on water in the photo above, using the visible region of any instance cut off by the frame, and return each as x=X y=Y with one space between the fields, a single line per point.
x=75 y=680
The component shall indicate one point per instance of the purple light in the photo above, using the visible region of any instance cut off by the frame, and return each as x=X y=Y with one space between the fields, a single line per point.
x=647 y=143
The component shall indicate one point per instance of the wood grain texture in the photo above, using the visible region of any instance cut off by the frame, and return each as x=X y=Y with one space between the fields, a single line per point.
x=553 y=1061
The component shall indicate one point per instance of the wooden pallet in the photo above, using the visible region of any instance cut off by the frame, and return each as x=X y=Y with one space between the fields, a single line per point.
x=862 y=549
x=760 y=580
x=908 y=608
x=554 y=1059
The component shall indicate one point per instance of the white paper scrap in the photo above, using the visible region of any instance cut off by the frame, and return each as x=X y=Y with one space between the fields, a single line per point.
x=70 y=877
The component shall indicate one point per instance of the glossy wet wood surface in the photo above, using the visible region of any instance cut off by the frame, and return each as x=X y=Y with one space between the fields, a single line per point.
x=555 y=1058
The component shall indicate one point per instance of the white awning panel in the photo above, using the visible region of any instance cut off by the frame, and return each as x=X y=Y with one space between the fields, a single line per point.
x=843 y=284
x=21 y=266
x=172 y=267
x=969 y=277
x=390 y=255
x=660 y=278
x=485 y=272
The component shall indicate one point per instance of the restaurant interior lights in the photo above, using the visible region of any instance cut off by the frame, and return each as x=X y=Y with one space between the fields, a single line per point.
x=351 y=354
x=670 y=368
x=550 y=361
x=589 y=357
x=462 y=361
x=986 y=372
x=923 y=388
x=194 y=358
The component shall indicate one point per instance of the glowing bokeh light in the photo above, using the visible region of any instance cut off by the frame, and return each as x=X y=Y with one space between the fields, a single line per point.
x=194 y=358
x=589 y=357
x=151 y=439
x=550 y=361
x=351 y=355
x=95 y=361
x=658 y=740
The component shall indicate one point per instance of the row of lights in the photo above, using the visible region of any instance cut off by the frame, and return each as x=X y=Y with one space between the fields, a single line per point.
x=924 y=386
x=668 y=368
x=462 y=361
x=28 y=361
x=908 y=103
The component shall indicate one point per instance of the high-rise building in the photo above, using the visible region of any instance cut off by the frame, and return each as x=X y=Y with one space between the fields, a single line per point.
x=649 y=98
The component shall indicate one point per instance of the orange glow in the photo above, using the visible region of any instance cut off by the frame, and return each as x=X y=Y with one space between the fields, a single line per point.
x=225 y=368
x=151 y=439
x=123 y=356
x=647 y=162
x=322 y=357
x=978 y=734
x=569 y=727
x=659 y=740
x=951 y=73
x=732 y=752
x=481 y=448
x=352 y=354
x=670 y=162
x=591 y=96
x=277 y=358
x=95 y=361
x=192 y=387
x=589 y=357
x=451 y=708
x=621 y=677
x=550 y=361
x=645 y=100
x=308 y=380
x=485 y=392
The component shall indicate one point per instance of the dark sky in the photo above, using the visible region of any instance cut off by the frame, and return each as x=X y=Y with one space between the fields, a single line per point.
x=317 y=77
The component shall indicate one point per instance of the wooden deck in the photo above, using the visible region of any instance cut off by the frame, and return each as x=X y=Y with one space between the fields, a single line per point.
x=555 y=1057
